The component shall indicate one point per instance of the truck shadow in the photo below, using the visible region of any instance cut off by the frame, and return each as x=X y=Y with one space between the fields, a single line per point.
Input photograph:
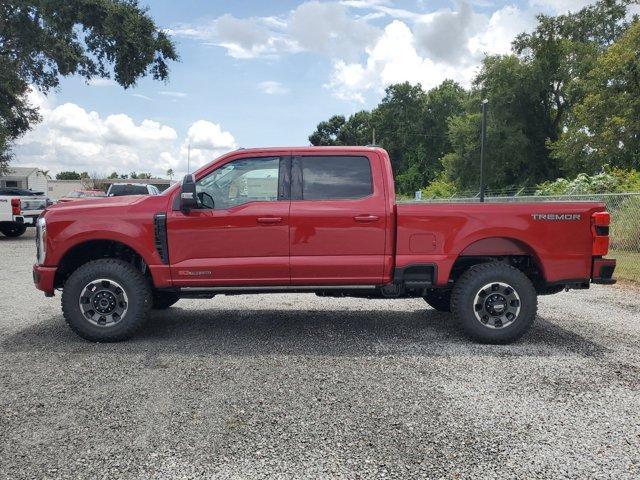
x=28 y=236
x=318 y=332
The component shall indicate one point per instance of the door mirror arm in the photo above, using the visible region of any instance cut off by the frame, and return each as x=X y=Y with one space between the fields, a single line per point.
x=188 y=196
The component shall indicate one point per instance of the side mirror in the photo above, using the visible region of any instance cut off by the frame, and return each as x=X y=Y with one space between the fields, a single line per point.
x=188 y=197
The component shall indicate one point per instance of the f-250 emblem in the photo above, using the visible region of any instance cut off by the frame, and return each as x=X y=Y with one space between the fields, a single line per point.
x=556 y=216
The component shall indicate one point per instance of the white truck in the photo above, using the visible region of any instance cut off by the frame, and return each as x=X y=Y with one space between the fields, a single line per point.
x=20 y=209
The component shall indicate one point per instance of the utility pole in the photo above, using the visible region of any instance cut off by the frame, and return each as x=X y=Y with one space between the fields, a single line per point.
x=483 y=146
x=189 y=157
x=374 y=137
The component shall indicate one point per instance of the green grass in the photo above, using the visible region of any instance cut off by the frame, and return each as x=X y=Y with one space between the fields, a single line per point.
x=628 y=265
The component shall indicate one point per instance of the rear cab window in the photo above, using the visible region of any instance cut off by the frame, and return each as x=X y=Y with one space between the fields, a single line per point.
x=331 y=177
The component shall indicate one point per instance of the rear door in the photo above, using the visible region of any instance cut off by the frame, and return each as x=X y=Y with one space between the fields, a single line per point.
x=338 y=220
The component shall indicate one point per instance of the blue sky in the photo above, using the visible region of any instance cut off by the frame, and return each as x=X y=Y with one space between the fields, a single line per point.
x=256 y=73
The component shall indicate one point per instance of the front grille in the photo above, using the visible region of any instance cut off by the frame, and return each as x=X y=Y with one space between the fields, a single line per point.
x=160 y=236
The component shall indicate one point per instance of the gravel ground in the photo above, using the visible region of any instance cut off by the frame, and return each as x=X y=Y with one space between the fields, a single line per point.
x=296 y=386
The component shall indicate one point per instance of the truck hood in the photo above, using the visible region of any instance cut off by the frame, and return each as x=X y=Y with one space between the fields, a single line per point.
x=101 y=202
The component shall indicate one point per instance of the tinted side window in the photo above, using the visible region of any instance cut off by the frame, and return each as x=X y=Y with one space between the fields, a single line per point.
x=335 y=178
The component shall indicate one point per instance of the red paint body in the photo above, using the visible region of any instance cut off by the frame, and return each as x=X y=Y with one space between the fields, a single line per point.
x=324 y=242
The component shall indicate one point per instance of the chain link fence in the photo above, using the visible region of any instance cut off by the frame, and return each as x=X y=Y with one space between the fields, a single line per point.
x=625 y=223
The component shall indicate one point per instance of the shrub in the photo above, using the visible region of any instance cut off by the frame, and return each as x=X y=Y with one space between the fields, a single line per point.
x=439 y=189
x=608 y=181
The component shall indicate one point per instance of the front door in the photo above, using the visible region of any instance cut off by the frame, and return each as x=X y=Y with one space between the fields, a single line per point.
x=239 y=234
x=338 y=220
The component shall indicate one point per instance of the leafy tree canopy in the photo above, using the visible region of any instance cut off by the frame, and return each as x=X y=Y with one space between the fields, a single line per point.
x=565 y=100
x=43 y=40
x=605 y=127
x=68 y=176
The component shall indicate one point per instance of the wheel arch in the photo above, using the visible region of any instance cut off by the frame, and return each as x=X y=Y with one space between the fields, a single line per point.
x=504 y=248
x=85 y=251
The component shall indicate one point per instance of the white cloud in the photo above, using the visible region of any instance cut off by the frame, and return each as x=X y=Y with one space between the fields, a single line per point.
x=393 y=59
x=444 y=35
x=327 y=28
x=102 y=82
x=416 y=46
x=562 y=6
x=441 y=45
x=207 y=141
x=173 y=94
x=72 y=138
x=312 y=26
x=139 y=95
x=273 y=88
x=500 y=30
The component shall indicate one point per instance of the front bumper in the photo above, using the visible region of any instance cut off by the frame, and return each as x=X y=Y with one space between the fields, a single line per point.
x=602 y=271
x=44 y=278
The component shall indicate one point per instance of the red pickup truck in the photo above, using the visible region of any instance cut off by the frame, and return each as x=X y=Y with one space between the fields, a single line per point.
x=317 y=219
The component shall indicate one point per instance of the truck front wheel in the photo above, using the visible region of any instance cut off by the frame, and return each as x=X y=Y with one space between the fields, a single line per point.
x=106 y=300
x=494 y=303
x=13 y=229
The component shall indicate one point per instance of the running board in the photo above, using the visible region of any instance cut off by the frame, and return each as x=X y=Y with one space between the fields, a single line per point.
x=275 y=289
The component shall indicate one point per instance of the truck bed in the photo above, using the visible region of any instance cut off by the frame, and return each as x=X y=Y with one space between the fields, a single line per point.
x=556 y=234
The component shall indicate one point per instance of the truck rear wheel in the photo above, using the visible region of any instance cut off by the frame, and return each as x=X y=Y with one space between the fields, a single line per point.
x=13 y=229
x=494 y=303
x=106 y=300
x=439 y=299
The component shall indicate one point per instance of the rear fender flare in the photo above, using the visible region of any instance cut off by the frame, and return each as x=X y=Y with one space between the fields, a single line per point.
x=499 y=246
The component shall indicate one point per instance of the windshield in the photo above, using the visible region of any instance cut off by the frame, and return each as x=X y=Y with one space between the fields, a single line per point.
x=120 y=190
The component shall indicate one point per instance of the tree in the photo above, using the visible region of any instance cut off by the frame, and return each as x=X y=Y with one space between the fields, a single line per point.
x=144 y=176
x=68 y=176
x=327 y=133
x=423 y=160
x=409 y=123
x=43 y=40
x=170 y=173
x=45 y=173
x=113 y=176
x=531 y=97
x=605 y=126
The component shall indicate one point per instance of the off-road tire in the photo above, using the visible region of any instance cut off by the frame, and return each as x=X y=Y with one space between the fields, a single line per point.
x=439 y=299
x=163 y=300
x=469 y=287
x=135 y=286
x=13 y=230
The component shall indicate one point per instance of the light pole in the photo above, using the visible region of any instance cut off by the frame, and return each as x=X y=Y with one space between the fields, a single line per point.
x=189 y=157
x=483 y=146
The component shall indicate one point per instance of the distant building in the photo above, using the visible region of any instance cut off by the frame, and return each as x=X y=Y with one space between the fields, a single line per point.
x=25 y=177
x=33 y=179
x=61 y=188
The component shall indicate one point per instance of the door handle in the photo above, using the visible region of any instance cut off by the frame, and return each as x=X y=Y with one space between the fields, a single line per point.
x=269 y=220
x=366 y=218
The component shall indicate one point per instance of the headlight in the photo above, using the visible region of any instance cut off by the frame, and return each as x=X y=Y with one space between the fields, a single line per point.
x=41 y=240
